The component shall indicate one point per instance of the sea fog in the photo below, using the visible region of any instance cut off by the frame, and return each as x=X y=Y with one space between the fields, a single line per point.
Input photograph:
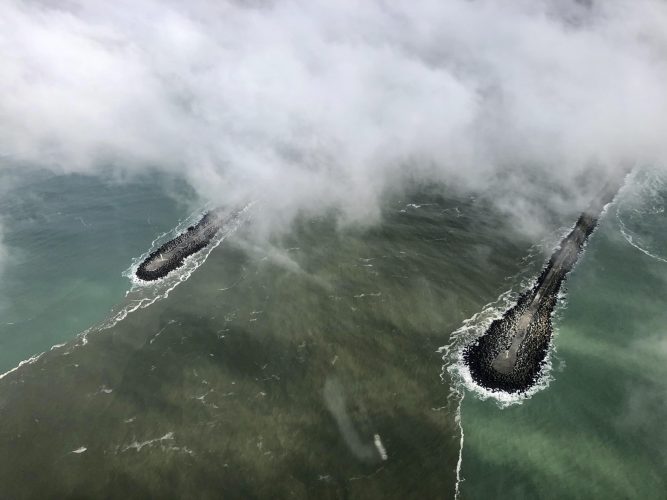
x=411 y=168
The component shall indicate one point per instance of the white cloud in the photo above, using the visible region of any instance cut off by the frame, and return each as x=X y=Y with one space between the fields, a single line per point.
x=3 y=251
x=316 y=103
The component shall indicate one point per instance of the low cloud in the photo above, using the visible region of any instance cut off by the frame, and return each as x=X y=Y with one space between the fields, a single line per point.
x=317 y=104
x=3 y=251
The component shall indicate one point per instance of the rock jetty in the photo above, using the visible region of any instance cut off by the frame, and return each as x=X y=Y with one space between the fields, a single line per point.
x=511 y=353
x=173 y=253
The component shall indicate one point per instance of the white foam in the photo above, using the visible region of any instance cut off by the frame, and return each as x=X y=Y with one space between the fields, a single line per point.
x=369 y=294
x=459 y=462
x=28 y=361
x=31 y=360
x=645 y=186
x=628 y=237
x=380 y=447
x=138 y=446
x=630 y=240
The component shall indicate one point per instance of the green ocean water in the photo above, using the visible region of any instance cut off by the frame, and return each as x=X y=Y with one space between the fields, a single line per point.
x=309 y=366
x=68 y=239
x=597 y=430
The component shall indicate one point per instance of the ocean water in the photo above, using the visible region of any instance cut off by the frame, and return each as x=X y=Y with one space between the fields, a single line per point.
x=322 y=363
x=595 y=429
x=68 y=239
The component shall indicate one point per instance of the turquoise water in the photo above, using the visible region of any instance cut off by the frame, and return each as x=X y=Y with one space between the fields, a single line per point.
x=310 y=365
x=68 y=240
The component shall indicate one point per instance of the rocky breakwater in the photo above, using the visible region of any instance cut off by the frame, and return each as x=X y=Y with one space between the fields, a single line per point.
x=173 y=253
x=511 y=353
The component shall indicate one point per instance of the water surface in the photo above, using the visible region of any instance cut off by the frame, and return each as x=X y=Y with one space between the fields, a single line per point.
x=310 y=366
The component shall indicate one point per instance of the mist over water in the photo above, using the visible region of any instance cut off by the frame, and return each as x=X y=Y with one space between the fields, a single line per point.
x=306 y=366
x=409 y=169
x=319 y=105
x=293 y=367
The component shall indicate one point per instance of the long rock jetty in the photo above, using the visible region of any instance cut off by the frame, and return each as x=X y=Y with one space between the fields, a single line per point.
x=173 y=253
x=510 y=354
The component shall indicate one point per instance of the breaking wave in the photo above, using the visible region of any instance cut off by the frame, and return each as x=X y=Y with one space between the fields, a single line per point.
x=641 y=213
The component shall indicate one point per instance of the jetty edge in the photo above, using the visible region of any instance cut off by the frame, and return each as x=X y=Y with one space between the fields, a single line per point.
x=172 y=254
x=510 y=355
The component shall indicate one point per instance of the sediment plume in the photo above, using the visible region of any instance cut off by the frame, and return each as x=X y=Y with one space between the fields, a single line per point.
x=510 y=355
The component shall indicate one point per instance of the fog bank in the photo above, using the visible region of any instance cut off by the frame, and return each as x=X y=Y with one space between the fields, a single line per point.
x=3 y=252
x=311 y=105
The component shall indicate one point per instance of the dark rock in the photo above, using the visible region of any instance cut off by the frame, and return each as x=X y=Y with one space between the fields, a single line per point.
x=173 y=253
x=510 y=355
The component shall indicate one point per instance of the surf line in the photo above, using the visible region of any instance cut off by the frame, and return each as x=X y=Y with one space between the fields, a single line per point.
x=510 y=355
x=459 y=462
